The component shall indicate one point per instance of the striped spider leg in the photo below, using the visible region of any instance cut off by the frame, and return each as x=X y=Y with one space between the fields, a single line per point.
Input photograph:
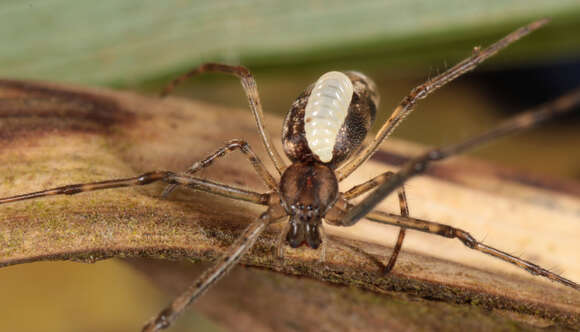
x=236 y=251
x=408 y=103
x=347 y=214
x=148 y=178
x=230 y=146
x=365 y=187
x=224 y=264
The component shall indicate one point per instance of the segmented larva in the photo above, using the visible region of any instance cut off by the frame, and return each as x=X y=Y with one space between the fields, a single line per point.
x=325 y=112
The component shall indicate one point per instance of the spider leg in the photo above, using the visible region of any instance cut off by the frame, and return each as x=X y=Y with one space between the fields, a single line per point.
x=324 y=244
x=224 y=264
x=369 y=185
x=402 y=232
x=445 y=231
x=147 y=178
x=418 y=165
x=282 y=241
x=346 y=215
x=422 y=91
x=468 y=241
x=251 y=90
x=230 y=146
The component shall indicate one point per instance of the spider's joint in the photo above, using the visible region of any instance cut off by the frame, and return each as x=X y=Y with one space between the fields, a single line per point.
x=466 y=238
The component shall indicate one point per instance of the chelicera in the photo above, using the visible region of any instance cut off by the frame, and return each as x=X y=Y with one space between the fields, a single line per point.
x=323 y=137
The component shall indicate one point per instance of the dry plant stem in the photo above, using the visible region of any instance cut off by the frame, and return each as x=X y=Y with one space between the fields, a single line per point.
x=251 y=90
x=422 y=91
x=148 y=228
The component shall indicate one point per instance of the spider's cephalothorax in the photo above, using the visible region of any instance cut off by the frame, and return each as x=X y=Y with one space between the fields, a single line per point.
x=325 y=125
x=308 y=190
x=337 y=128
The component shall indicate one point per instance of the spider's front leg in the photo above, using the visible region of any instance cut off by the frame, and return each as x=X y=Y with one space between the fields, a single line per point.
x=230 y=146
x=251 y=90
x=408 y=103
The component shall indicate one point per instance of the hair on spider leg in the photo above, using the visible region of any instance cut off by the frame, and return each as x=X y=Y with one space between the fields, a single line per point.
x=323 y=136
x=556 y=269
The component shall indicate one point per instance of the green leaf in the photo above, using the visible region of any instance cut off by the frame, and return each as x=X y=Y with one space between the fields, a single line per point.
x=125 y=42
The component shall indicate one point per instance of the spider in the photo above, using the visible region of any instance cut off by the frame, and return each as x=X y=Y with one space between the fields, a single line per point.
x=323 y=137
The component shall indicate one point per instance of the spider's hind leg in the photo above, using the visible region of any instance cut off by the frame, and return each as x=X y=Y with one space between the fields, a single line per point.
x=366 y=187
x=469 y=241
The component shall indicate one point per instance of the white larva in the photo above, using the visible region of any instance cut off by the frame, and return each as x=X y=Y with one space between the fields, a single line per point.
x=325 y=112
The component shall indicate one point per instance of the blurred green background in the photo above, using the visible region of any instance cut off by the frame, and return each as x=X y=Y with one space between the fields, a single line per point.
x=140 y=45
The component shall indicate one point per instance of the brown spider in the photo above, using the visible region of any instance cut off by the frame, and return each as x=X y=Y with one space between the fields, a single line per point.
x=323 y=135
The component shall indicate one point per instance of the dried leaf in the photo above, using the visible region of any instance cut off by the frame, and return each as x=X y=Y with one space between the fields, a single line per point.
x=53 y=135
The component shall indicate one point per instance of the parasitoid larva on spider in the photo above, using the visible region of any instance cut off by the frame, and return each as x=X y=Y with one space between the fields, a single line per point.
x=326 y=111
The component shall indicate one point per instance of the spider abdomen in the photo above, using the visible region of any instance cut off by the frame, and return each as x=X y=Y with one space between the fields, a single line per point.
x=325 y=112
x=327 y=122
